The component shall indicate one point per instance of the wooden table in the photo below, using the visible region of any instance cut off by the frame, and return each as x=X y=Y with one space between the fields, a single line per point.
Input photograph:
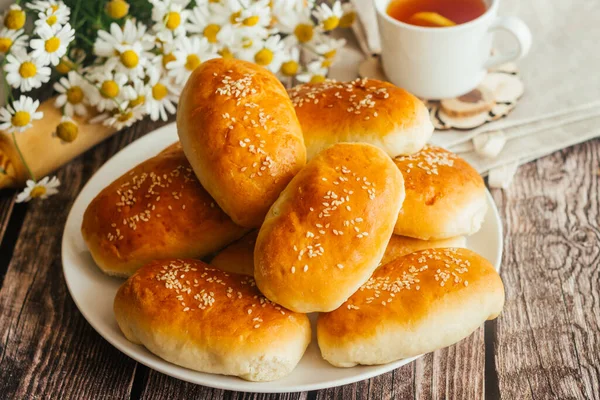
x=545 y=345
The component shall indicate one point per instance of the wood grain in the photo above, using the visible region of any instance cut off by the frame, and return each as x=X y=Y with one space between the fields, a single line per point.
x=547 y=341
x=47 y=349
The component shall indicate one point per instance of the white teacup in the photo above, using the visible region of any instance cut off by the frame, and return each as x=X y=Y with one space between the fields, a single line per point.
x=437 y=63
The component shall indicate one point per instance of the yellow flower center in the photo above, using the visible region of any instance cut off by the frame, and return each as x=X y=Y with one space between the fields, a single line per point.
x=347 y=19
x=51 y=20
x=326 y=63
x=304 y=32
x=330 y=54
x=226 y=53
x=317 y=79
x=21 y=118
x=52 y=44
x=233 y=18
x=247 y=43
x=137 y=101
x=5 y=44
x=263 y=57
x=27 y=69
x=172 y=20
x=37 y=191
x=109 y=89
x=191 y=62
x=129 y=58
x=15 y=19
x=74 y=95
x=117 y=9
x=331 y=23
x=159 y=91
x=64 y=66
x=289 y=68
x=251 y=21
x=167 y=58
x=210 y=32
x=125 y=116
x=67 y=131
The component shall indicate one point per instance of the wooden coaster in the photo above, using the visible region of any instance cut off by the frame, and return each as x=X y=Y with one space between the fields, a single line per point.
x=495 y=97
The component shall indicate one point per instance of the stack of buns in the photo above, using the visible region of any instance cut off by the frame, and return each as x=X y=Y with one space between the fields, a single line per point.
x=323 y=199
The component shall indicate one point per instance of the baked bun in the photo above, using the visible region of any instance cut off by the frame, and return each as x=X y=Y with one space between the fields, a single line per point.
x=156 y=210
x=329 y=228
x=416 y=304
x=238 y=257
x=401 y=245
x=445 y=196
x=363 y=110
x=207 y=320
x=239 y=130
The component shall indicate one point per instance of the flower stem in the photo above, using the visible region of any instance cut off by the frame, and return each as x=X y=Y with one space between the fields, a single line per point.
x=23 y=158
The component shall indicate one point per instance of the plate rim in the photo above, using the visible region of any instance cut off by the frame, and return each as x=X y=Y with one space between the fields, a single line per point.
x=163 y=366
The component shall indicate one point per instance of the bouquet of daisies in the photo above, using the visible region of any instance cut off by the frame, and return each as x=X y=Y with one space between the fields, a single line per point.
x=120 y=61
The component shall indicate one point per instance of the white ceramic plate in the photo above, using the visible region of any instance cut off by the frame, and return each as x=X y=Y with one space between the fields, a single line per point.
x=93 y=292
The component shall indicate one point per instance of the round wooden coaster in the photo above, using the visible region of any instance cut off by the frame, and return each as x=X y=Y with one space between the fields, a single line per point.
x=495 y=97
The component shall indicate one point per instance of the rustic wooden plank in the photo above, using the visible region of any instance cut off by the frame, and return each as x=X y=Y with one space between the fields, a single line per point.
x=47 y=349
x=7 y=202
x=547 y=341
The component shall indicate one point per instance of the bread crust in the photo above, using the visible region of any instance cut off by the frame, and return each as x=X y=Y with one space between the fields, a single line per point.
x=239 y=130
x=416 y=304
x=201 y=318
x=400 y=246
x=238 y=257
x=158 y=209
x=363 y=110
x=445 y=196
x=327 y=231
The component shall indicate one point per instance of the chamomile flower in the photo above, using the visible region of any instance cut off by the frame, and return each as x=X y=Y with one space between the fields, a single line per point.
x=170 y=17
x=291 y=63
x=253 y=19
x=51 y=13
x=161 y=98
x=208 y=20
x=72 y=94
x=271 y=54
x=109 y=89
x=348 y=15
x=293 y=18
x=67 y=130
x=327 y=47
x=107 y=42
x=131 y=61
x=51 y=45
x=315 y=73
x=120 y=119
x=41 y=189
x=189 y=54
x=328 y=17
x=14 y=18
x=12 y=40
x=24 y=71
x=19 y=116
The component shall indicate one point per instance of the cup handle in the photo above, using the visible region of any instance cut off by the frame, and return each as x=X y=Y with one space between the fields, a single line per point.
x=519 y=31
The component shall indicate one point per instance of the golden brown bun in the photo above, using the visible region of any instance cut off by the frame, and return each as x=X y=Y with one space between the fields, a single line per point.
x=156 y=210
x=208 y=320
x=363 y=110
x=416 y=304
x=445 y=196
x=238 y=257
x=239 y=130
x=328 y=230
x=401 y=245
